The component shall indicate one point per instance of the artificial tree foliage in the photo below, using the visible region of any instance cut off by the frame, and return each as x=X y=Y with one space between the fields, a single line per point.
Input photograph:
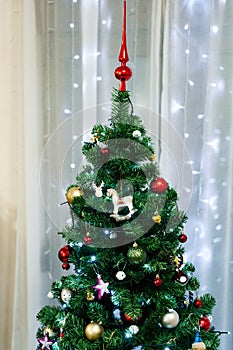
x=146 y=281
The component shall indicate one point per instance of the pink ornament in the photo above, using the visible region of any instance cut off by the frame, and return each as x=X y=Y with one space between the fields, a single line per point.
x=102 y=287
x=46 y=342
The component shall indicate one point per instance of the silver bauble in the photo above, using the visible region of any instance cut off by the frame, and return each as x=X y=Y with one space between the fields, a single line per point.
x=171 y=319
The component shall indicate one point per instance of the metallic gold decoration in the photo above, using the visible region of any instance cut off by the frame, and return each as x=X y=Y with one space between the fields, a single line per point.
x=94 y=331
x=72 y=193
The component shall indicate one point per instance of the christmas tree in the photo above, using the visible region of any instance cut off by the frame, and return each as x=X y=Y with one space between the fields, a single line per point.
x=131 y=288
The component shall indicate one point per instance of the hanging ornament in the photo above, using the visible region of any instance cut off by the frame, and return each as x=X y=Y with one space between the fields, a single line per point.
x=94 y=331
x=101 y=287
x=46 y=342
x=198 y=303
x=159 y=185
x=120 y=275
x=90 y=296
x=198 y=343
x=113 y=235
x=94 y=138
x=66 y=266
x=182 y=237
x=181 y=277
x=156 y=218
x=133 y=329
x=50 y=332
x=178 y=260
x=66 y=295
x=64 y=253
x=153 y=157
x=171 y=319
x=136 y=255
x=88 y=239
x=105 y=151
x=72 y=193
x=158 y=281
x=50 y=295
x=134 y=318
x=137 y=133
x=98 y=189
x=119 y=202
x=204 y=323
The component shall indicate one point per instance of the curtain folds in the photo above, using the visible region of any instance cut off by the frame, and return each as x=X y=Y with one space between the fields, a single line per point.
x=57 y=63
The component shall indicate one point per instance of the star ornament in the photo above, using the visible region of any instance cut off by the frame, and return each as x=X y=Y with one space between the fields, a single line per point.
x=46 y=342
x=102 y=287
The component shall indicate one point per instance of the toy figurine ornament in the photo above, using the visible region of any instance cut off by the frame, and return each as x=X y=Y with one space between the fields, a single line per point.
x=119 y=202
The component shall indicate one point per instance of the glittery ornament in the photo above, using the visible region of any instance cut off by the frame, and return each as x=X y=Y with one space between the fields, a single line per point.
x=136 y=255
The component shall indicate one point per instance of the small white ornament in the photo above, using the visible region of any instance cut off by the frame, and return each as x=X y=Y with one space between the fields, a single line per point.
x=50 y=295
x=134 y=329
x=98 y=189
x=66 y=295
x=120 y=275
x=137 y=133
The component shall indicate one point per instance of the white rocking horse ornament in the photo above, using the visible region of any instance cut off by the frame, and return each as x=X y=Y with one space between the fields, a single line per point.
x=118 y=202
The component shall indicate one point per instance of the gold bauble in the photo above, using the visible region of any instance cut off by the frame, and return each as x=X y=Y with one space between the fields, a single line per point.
x=198 y=346
x=49 y=331
x=156 y=218
x=153 y=157
x=171 y=319
x=94 y=331
x=72 y=193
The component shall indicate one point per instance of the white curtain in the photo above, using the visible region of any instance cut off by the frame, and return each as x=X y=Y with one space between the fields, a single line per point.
x=58 y=59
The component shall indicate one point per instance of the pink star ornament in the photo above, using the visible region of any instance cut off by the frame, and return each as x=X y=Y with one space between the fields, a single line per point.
x=102 y=287
x=46 y=342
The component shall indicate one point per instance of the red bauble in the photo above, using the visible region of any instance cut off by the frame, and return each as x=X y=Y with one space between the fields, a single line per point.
x=128 y=318
x=182 y=238
x=159 y=185
x=204 y=323
x=64 y=253
x=123 y=73
x=158 y=282
x=88 y=239
x=66 y=266
x=198 y=303
x=105 y=151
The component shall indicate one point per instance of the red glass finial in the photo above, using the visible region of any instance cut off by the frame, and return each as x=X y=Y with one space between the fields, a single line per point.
x=123 y=73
